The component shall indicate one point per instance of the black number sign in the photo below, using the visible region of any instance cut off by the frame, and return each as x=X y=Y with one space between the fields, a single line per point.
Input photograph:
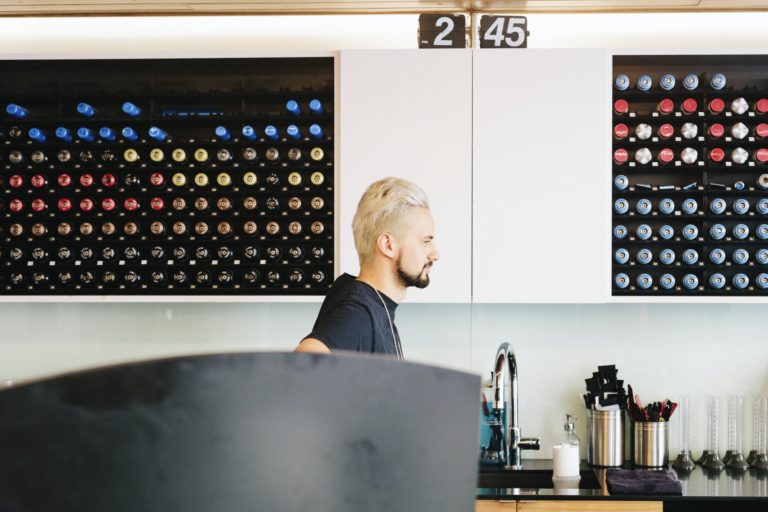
x=442 y=31
x=503 y=31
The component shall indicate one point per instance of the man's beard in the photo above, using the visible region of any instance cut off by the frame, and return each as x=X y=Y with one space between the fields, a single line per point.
x=412 y=279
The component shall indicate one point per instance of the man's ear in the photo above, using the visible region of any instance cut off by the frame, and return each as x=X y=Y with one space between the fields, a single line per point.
x=387 y=245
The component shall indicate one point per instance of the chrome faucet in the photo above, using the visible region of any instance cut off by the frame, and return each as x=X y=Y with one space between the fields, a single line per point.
x=505 y=406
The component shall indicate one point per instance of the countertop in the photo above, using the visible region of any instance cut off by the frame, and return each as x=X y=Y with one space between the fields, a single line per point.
x=698 y=486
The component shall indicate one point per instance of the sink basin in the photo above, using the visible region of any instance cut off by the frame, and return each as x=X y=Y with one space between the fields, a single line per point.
x=529 y=479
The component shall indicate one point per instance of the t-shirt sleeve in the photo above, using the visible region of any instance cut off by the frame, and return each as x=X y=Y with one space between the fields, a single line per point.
x=347 y=326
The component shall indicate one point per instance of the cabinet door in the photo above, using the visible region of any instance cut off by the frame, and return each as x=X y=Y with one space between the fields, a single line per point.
x=541 y=172
x=495 y=506
x=589 y=506
x=408 y=113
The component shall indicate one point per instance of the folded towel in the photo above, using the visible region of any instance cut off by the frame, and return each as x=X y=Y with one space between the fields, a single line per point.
x=642 y=481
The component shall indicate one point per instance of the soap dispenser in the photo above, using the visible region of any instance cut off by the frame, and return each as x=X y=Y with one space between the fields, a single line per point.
x=565 y=456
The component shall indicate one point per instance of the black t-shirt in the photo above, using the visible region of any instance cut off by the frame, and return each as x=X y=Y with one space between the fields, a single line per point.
x=353 y=317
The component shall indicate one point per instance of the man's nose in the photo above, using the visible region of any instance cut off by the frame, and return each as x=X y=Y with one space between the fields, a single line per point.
x=435 y=254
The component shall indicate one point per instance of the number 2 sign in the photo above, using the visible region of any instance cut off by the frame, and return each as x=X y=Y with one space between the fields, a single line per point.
x=442 y=31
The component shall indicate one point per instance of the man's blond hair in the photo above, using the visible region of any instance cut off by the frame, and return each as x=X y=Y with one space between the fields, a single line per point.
x=384 y=208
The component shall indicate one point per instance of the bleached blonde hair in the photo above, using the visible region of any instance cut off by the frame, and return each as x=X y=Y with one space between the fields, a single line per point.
x=384 y=208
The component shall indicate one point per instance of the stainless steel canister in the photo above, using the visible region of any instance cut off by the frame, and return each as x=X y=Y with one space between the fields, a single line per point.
x=605 y=438
x=650 y=443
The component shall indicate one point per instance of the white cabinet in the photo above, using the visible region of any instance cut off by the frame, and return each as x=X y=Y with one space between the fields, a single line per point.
x=541 y=176
x=408 y=113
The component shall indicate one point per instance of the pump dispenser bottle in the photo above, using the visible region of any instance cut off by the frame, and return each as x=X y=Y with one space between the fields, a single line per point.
x=565 y=456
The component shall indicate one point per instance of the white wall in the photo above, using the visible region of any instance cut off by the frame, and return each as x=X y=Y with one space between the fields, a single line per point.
x=663 y=350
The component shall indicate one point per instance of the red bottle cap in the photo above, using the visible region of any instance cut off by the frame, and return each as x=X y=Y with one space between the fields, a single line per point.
x=157 y=203
x=666 y=131
x=15 y=205
x=156 y=179
x=108 y=204
x=690 y=105
x=620 y=106
x=717 y=155
x=761 y=155
x=666 y=155
x=86 y=205
x=620 y=156
x=64 y=204
x=621 y=131
x=108 y=180
x=64 y=180
x=38 y=205
x=131 y=204
x=666 y=106
x=716 y=130
x=716 y=106
x=762 y=130
x=762 y=106
x=15 y=181
x=86 y=180
x=37 y=181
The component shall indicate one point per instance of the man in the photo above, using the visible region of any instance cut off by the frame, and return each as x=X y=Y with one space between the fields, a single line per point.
x=394 y=233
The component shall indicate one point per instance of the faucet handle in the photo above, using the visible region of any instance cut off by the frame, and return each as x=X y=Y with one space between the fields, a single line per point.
x=529 y=443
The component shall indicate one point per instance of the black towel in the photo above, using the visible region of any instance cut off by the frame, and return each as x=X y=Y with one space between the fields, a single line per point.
x=642 y=481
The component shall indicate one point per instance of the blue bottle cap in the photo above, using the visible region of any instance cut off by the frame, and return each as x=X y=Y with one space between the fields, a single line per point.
x=762 y=281
x=222 y=133
x=271 y=132
x=762 y=231
x=644 y=83
x=667 y=281
x=717 y=281
x=717 y=81
x=620 y=232
x=316 y=106
x=741 y=206
x=762 y=206
x=690 y=206
x=316 y=131
x=107 y=133
x=644 y=232
x=741 y=231
x=717 y=256
x=621 y=182
x=717 y=231
x=129 y=133
x=293 y=131
x=667 y=256
x=690 y=232
x=739 y=185
x=741 y=281
x=85 y=134
x=157 y=133
x=85 y=109
x=292 y=106
x=740 y=256
x=249 y=132
x=690 y=256
x=667 y=82
x=666 y=232
x=762 y=256
x=644 y=256
x=63 y=134
x=621 y=280
x=666 y=206
x=691 y=82
x=36 y=134
x=644 y=281
x=621 y=256
x=717 y=205
x=690 y=281
x=16 y=111
x=131 y=109
x=621 y=206
x=643 y=207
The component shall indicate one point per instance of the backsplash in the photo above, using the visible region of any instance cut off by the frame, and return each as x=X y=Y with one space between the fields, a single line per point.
x=663 y=350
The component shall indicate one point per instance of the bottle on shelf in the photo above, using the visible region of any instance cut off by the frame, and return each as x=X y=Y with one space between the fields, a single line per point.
x=85 y=110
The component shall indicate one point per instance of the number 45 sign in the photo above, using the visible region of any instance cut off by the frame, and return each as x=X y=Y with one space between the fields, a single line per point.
x=503 y=31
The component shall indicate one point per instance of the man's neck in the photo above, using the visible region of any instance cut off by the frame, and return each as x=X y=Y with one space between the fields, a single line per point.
x=382 y=280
